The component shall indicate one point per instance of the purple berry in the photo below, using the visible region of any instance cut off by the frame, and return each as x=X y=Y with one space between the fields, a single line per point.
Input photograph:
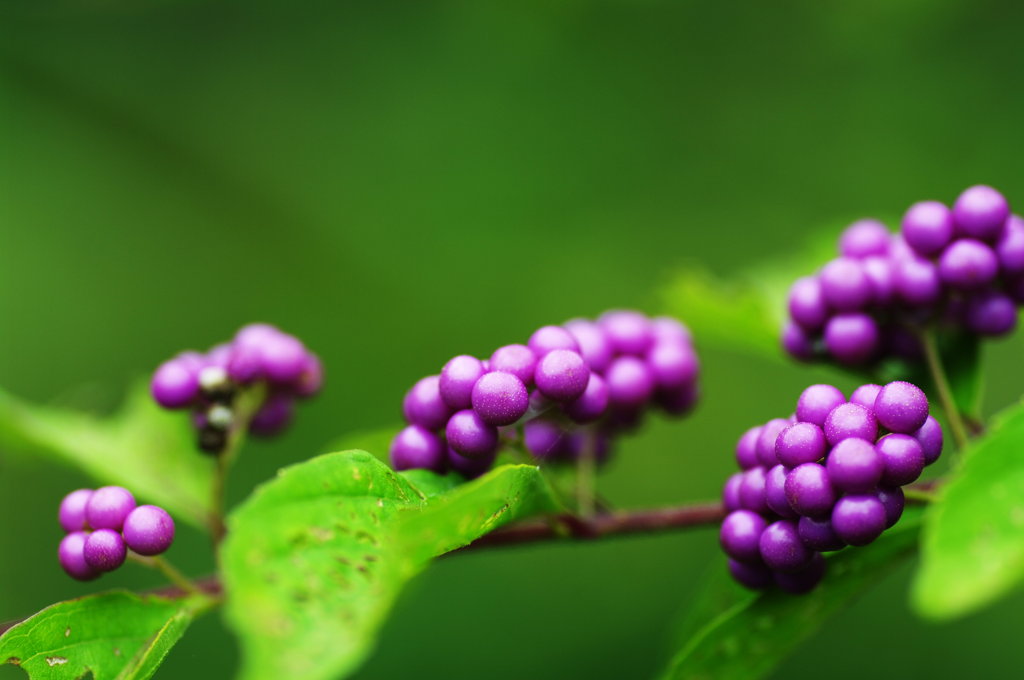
x=470 y=468
x=283 y=357
x=500 y=398
x=678 y=400
x=845 y=285
x=628 y=332
x=881 y=276
x=858 y=520
x=594 y=345
x=275 y=414
x=930 y=439
x=797 y=343
x=893 y=501
x=590 y=405
x=519 y=360
x=1010 y=248
x=850 y=420
x=746 y=448
x=991 y=313
x=865 y=395
x=753 y=576
x=562 y=375
x=672 y=365
x=669 y=330
x=775 y=492
x=800 y=443
x=980 y=212
x=104 y=550
x=864 y=238
x=854 y=466
x=545 y=440
x=71 y=555
x=809 y=490
x=816 y=402
x=72 y=510
x=470 y=436
x=731 y=492
x=740 y=535
x=817 y=534
x=903 y=459
x=917 y=281
x=803 y=580
x=807 y=304
x=457 y=379
x=851 y=338
x=781 y=548
x=549 y=338
x=417 y=447
x=901 y=407
x=968 y=264
x=766 y=441
x=928 y=227
x=424 y=406
x=148 y=530
x=174 y=384
x=311 y=380
x=245 y=363
x=630 y=382
x=108 y=506
x=752 y=491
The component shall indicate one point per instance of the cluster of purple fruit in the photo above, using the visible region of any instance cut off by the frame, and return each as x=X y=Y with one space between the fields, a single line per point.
x=600 y=374
x=101 y=527
x=961 y=268
x=209 y=383
x=829 y=477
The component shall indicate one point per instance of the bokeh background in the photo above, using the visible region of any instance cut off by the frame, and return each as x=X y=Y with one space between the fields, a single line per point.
x=398 y=182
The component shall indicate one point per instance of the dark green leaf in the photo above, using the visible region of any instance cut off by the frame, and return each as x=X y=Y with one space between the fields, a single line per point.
x=315 y=558
x=142 y=447
x=747 y=640
x=115 y=636
x=973 y=542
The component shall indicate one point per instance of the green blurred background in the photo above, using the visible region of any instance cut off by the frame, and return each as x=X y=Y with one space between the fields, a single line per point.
x=398 y=182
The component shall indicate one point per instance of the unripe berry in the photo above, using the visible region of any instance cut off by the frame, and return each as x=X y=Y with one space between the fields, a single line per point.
x=901 y=407
x=470 y=436
x=500 y=398
x=71 y=555
x=457 y=379
x=148 y=530
x=72 y=510
x=108 y=506
x=104 y=550
x=417 y=447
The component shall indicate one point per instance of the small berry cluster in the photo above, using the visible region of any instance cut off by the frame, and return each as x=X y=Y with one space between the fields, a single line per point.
x=959 y=268
x=210 y=383
x=101 y=527
x=829 y=477
x=600 y=374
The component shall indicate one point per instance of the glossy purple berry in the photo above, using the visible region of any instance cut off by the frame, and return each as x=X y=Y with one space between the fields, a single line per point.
x=903 y=459
x=108 y=506
x=731 y=492
x=752 y=491
x=893 y=501
x=740 y=535
x=71 y=555
x=417 y=447
x=746 y=448
x=283 y=357
x=673 y=365
x=809 y=490
x=968 y=264
x=917 y=281
x=1010 y=247
x=800 y=443
x=753 y=576
x=148 y=530
x=630 y=382
x=858 y=520
x=457 y=379
x=845 y=285
x=470 y=468
x=668 y=330
x=549 y=338
x=766 y=439
x=930 y=439
x=901 y=407
x=678 y=401
x=803 y=580
x=274 y=415
x=928 y=227
x=855 y=466
x=104 y=550
x=851 y=338
x=72 y=510
x=865 y=395
x=797 y=343
x=594 y=346
x=519 y=360
x=816 y=402
x=781 y=547
x=562 y=375
x=424 y=406
x=775 y=492
x=628 y=332
x=881 y=275
x=817 y=534
x=864 y=238
x=991 y=313
x=500 y=398
x=470 y=436
x=980 y=212
x=807 y=304
x=245 y=363
x=850 y=420
x=545 y=440
x=174 y=384
x=592 y=404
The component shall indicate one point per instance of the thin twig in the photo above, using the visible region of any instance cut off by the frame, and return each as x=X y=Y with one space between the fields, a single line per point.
x=938 y=374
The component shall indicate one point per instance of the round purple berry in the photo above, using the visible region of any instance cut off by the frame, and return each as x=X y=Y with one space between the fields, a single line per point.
x=71 y=555
x=668 y=330
x=864 y=238
x=807 y=304
x=549 y=338
x=500 y=398
x=752 y=491
x=800 y=443
x=417 y=447
x=283 y=358
x=882 y=278
x=775 y=492
x=275 y=414
x=731 y=492
x=628 y=332
x=148 y=530
x=816 y=402
x=545 y=440
x=519 y=360
x=108 y=506
x=845 y=285
x=917 y=281
x=797 y=343
x=746 y=448
x=595 y=348
x=930 y=439
x=424 y=406
x=752 y=576
x=927 y=227
x=457 y=379
x=1010 y=247
x=991 y=313
x=903 y=459
x=590 y=405
x=470 y=468
x=740 y=535
x=968 y=265
x=174 y=384
x=781 y=547
x=854 y=465
x=104 y=550
x=980 y=212
x=851 y=338
x=850 y=420
x=901 y=407
x=562 y=375
x=817 y=534
x=311 y=380
x=865 y=395
x=858 y=520
x=630 y=382
x=803 y=580
x=809 y=490
x=672 y=365
x=893 y=501
x=678 y=401
x=72 y=510
x=470 y=436
x=245 y=363
x=766 y=441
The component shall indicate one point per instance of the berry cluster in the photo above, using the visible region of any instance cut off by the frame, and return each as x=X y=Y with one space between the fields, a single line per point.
x=600 y=374
x=101 y=527
x=829 y=477
x=959 y=268
x=260 y=355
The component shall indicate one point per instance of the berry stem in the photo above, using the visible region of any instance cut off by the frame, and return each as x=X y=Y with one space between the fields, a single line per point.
x=938 y=375
x=247 y=404
x=169 y=570
x=922 y=494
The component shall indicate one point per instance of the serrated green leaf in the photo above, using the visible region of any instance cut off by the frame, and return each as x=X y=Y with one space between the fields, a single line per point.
x=114 y=636
x=316 y=557
x=142 y=447
x=749 y=639
x=973 y=541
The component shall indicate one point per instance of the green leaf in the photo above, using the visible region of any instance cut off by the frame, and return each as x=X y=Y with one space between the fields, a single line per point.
x=142 y=447
x=115 y=635
x=377 y=441
x=316 y=557
x=758 y=631
x=973 y=543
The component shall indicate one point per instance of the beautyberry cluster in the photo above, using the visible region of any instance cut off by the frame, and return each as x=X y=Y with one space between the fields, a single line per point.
x=828 y=477
x=572 y=388
x=102 y=525
x=259 y=357
x=959 y=268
